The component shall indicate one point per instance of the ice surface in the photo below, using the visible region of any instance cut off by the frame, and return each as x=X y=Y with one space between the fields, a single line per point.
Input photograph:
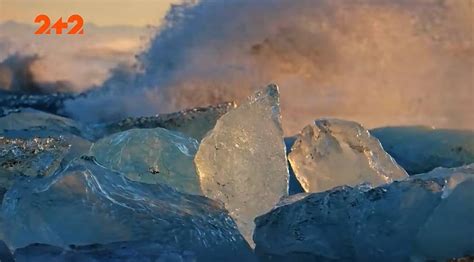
x=5 y=253
x=151 y=156
x=138 y=251
x=335 y=152
x=444 y=225
x=88 y=204
x=420 y=149
x=194 y=122
x=411 y=219
x=45 y=102
x=29 y=123
x=242 y=161
x=450 y=177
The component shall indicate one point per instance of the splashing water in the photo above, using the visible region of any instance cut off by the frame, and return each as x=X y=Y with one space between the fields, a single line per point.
x=378 y=62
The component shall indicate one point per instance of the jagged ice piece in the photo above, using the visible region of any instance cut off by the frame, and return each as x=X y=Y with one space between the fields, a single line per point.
x=334 y=152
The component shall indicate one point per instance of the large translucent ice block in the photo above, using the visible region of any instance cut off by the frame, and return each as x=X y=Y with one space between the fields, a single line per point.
x=88 y=204
x=424 y=218
x=151 y=156
x=242 y=161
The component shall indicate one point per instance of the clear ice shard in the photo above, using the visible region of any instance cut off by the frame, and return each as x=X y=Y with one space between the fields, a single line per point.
x=195 y=122
x=420 y=149
x=410 y=220
x=89 y=204
x=151 y=156
x=242 y=161
x=333 y=152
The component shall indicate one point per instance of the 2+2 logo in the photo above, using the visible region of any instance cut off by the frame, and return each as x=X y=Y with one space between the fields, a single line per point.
x=59 y=25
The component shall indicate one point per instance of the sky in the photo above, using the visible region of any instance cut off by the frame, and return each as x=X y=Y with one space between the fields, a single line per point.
x=99 y=12
x=115 y=31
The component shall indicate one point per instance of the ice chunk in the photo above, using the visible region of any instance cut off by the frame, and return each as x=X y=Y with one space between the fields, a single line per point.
x=420 y=149
x=37 y=156
x=151 y=156
x=409 y=220
x=6 y=111
x=45 y=102
x=32 y=123
x=88 y=204
x=335 y=152
x=444 y=225
x=242 y=161
x=450 y=177
x=30 y=127
x=5 y=253
x=194 y=122
x=34 y=157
